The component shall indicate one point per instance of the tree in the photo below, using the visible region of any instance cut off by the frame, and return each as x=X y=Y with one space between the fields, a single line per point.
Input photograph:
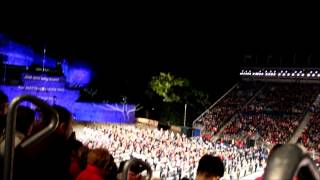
x=201 y=98
x=175 y=92
x=165 y=84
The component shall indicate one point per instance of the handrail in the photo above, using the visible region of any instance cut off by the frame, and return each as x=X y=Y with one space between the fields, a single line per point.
x=290 y=161
x=208 y=109
x=11 y=130
x=130 y=162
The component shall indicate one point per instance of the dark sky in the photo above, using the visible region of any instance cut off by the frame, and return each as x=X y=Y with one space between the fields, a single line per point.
x=204 y=51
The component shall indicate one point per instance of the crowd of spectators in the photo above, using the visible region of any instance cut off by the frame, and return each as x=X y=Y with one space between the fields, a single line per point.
x=170 y=155
x=310 y=138
x=228 y=106
x=275 y=113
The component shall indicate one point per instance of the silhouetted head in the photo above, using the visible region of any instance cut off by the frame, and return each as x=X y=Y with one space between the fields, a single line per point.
x=274 y=148
x=4 y=103
x=210 y=168
x=25 y=120
x=99 y=157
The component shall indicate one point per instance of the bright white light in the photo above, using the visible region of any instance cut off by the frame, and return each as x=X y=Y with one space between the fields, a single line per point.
x=313 y=75
x=298 y=74
x=302 y=74
x=308 y=75
x=292 y=74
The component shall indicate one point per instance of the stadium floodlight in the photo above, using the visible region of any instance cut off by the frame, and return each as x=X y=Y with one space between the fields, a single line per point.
x=302 y=75
x=298 y=74
x=292 y=74
x=308 y=75
x=313 y=75
x=318 y=75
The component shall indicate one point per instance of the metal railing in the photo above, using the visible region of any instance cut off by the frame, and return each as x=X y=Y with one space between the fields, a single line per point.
x=11 y=130
x=216 y=102
x=290 y=161
x=135 y=161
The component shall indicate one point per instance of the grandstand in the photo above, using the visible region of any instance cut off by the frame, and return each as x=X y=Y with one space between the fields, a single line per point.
x=277 y=106
x=262 y=111
x=267 y=107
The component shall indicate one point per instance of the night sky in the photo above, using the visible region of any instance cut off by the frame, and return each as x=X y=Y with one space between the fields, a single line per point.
x=205 y=53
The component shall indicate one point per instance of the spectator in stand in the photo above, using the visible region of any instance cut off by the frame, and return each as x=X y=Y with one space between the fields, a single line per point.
x=134 y=172
x=77 y=149
x=275 y=147
x=311 y=136
x=24 y=123
x=210 y=168
x=111 y=170
x=3 y=111
x=97 y=162
x=52 y=157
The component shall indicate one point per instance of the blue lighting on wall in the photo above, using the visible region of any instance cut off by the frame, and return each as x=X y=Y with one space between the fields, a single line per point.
x=78 y=76
x=43 y=81
x=65 y=66
x=54 y=89
x=48 y=94
x=102 y=113
x=17 y=54
x=90 y=112
x=48 y=63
